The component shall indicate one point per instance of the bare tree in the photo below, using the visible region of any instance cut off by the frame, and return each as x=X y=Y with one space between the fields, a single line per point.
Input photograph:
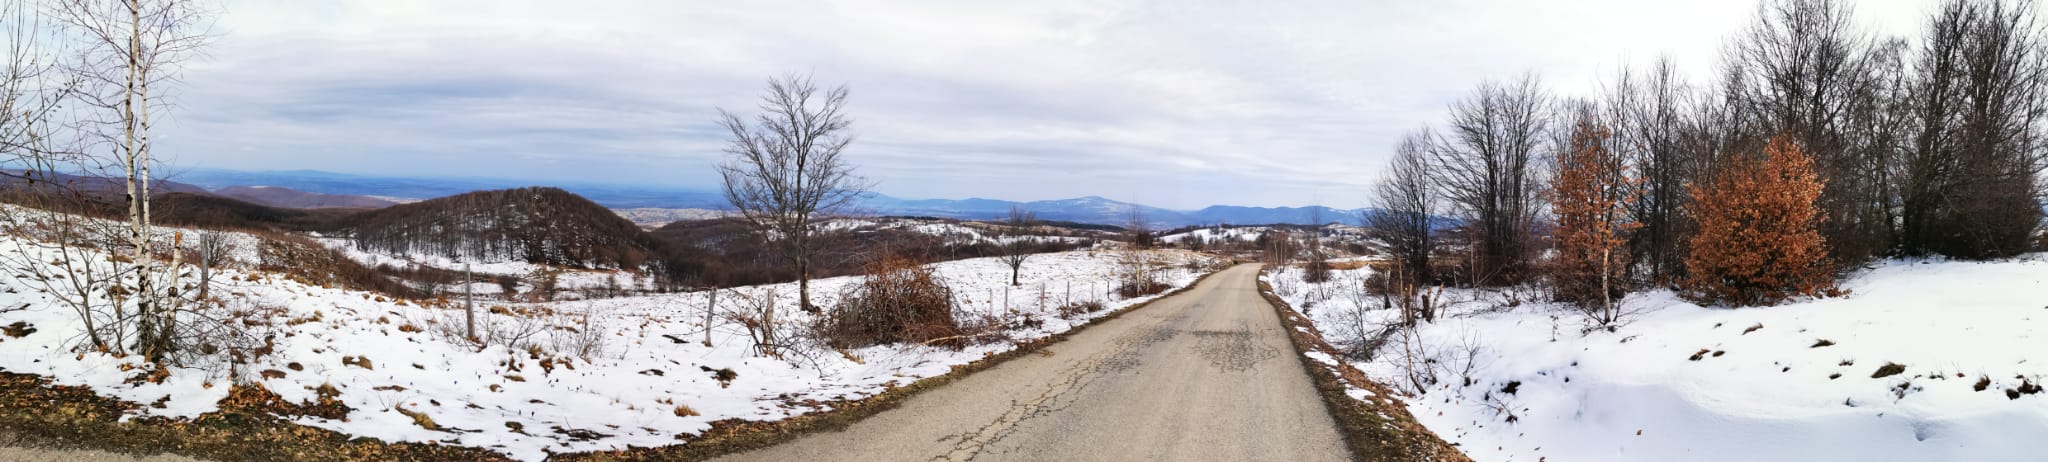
x=51 y=251
x=1318 y=268
x=1485 y=167
x=785 y=169
x=1400 y=224
x=130 y=48
x=1018 y=241
x=1135 y=260
x=1969 y=180
x=1803 y=68
x=1647 y=111
x=213 y=249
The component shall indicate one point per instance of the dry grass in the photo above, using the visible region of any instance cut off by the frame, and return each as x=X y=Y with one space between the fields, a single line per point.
x=418 y=418
x=37 y=412
x=1348 y=265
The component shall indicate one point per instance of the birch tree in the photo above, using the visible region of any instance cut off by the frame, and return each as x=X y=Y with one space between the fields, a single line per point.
x=129 y=50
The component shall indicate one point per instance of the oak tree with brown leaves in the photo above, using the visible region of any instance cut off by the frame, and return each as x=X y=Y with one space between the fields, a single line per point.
x=1592 y=193
x=1759 y=241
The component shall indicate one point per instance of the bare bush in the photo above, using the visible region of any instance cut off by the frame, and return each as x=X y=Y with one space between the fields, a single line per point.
x=900 y=302
x=514 y=328
x=767 y=334
x=581 y=333
x=1079 y=308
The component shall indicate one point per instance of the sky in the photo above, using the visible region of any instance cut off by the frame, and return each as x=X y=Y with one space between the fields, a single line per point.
x=1178 y=104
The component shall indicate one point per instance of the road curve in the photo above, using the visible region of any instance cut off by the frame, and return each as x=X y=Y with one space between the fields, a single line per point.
x=1207 y=375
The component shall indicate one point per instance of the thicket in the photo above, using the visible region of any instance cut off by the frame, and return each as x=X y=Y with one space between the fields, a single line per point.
x=1930 y=144
x=899 y=301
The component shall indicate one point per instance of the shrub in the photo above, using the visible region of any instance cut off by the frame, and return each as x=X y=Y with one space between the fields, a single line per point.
x=1080 y=308
x=899 y=301
x=1758 y=241
x=1317 y=271
x=1140 y=288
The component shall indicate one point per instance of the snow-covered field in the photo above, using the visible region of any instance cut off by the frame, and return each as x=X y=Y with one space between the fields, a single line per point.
x=569 y=280
x=601 y=374
x=1219 y=234
x=1680 y=382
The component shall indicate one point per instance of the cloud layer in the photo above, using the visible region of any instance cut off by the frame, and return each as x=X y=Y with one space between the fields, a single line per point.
x=1174 y=103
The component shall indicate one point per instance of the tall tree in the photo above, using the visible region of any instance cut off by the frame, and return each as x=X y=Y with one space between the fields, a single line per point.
x=1485 y=167
x=1801 y=70
x=1400 y=223
x=129 y=48
x=1647 y=111
x=785 y=170
x=1759 y=241
x=1969 y=180
x=1592 y=191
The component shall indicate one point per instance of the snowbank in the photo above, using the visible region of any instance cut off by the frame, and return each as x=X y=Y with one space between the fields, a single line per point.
x=1792 y=382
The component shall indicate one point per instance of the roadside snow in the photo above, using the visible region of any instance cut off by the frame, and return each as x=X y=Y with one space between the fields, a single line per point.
x=1764 y=388
x=645 y=357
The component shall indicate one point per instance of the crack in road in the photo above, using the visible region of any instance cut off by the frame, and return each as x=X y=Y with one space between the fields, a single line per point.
x=1233 y=350
x=1125 y=355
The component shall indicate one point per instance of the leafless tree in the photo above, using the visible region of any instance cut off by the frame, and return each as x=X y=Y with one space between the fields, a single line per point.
x=1400 y=224
x=1969 y=181
x=785 y=170
x=1647 y=111
x=129 y=51
x=1018 y=241
x=213 y=248
x=1486 y=168
x=1318 y=267
x=1803 y=68
x=1135 y=260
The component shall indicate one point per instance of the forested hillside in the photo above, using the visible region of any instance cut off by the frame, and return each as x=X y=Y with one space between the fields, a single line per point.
x=536 y=225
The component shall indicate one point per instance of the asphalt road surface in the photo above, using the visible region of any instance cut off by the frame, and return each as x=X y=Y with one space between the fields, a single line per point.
x=12 y=449
x=1204 y=375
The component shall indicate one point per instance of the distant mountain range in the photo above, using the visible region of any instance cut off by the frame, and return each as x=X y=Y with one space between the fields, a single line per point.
x=275 y=196
x=327 y=186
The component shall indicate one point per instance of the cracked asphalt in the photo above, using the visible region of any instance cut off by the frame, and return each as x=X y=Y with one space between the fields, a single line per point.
x=1207 y=375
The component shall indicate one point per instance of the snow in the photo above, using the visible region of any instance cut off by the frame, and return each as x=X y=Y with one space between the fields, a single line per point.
x=1765 y=394
x=1241 y=234
x=627 y=388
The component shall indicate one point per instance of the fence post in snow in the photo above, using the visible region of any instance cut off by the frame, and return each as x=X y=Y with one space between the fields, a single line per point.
x=469 y=300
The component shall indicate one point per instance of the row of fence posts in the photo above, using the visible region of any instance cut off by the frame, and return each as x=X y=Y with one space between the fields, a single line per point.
x=1092 y=291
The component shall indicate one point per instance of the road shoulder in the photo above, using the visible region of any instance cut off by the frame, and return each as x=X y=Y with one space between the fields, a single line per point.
x=1376 y=427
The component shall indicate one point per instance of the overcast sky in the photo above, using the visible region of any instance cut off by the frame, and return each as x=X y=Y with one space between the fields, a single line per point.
x=1171 y=103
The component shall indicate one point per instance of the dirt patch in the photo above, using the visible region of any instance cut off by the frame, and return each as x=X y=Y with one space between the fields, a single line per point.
x=37 y=413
